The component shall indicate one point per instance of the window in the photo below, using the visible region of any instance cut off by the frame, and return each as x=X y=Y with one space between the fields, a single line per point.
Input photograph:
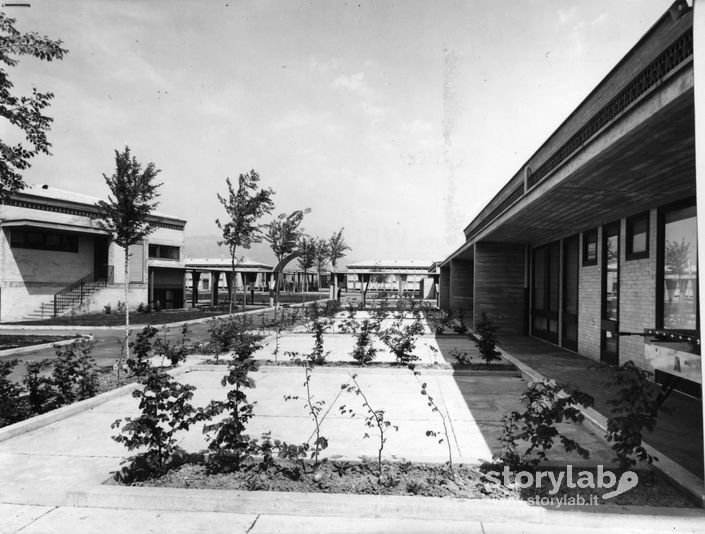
x=164 y=252
x=38 y=240
x=638 y=236
x=590 y=247
x=678 y=286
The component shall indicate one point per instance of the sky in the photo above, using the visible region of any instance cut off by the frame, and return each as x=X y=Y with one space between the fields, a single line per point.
x=397 y=120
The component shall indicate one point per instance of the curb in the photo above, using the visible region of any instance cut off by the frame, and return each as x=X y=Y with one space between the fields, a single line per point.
x=200 y=320
x=595 y=422
x=387 y=506
x=64 y=412
x=33 y=348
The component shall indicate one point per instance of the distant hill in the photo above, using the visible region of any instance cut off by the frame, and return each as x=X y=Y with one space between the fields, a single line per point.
x=206 y=246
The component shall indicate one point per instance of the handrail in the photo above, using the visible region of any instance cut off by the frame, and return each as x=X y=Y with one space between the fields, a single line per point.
x=100 y=277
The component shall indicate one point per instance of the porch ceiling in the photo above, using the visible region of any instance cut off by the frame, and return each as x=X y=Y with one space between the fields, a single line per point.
x=651 y=166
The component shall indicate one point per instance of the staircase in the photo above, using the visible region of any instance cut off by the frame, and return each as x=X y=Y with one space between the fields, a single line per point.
x=73 y=295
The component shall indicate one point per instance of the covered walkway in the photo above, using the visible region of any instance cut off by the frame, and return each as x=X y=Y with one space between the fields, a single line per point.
x=678 y=433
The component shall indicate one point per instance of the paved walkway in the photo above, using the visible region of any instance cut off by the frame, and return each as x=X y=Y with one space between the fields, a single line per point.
x=679 y=429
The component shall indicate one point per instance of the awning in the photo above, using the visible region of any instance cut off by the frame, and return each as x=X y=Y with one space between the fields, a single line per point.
x=47 y=225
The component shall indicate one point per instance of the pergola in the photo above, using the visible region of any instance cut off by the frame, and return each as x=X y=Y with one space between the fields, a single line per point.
x=246 y=268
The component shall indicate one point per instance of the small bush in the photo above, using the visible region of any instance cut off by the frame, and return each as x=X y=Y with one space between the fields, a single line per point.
x=401 y=340
x=107 y=309
x=634 y=410
x=13 y=407
x=364 y=351
x=142 y=348
x=547 y=404
x=41 y=394
x=140 y=307
x=166 y=409
x=75 y=374
x=487 y=342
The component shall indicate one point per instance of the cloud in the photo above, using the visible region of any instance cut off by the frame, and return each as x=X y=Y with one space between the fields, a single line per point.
x=600 y=19
x=318 y=63
x=354 y=83
x=567 y=15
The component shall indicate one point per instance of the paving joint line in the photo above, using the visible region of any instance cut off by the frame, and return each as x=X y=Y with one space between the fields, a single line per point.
x=36 y=519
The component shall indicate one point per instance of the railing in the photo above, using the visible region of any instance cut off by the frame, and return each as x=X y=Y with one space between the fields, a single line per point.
x=74 y=294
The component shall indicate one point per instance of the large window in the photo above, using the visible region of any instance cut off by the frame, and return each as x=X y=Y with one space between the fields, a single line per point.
x=679 y=275
x=38 y=240
x=638 y=236
x=164 y=252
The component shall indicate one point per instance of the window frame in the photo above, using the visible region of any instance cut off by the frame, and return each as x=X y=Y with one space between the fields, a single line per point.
x=629 y=248
x=586 y=262
x=68 y=243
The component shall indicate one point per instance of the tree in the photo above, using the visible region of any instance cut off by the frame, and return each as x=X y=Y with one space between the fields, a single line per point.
x=244 y=208
x=321 y=256
x=127 y=212
x=23 y=112
x=336 y=247
x=307 y=258
x=283 y=234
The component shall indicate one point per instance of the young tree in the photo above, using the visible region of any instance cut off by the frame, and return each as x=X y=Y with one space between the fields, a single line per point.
x=336 y=249
x=307 y=258
x=22 y=112
x=244 y=208
x=321 y=257
x=127 y=212
x=283 y=234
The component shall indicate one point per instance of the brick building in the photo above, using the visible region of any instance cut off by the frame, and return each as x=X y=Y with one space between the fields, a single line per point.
x=592 y=244
x=55 y=259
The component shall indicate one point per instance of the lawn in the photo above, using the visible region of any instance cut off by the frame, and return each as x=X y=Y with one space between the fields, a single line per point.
x=17 y=341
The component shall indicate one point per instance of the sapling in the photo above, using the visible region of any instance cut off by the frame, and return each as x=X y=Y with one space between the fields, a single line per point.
x=41 y=394
x=374 y=419
x=487 y=342
x=634 y=410
x=401 y=340
x=142 y=346
x=75 y=374
x=547 y=404
x=434 y=408
x=364 y=351
x=166 y=409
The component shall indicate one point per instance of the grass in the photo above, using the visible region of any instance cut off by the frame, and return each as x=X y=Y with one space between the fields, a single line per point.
x=136 y=318
x=17 y=341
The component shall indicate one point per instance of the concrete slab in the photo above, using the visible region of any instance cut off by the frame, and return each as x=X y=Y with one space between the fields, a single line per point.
x=14 y=517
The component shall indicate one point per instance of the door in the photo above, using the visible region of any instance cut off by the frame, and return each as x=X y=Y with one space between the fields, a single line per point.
x=610 y=294
x=569 y=338
x=545 y=292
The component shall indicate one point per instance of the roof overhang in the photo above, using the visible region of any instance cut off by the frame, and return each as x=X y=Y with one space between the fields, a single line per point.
x=58 y=227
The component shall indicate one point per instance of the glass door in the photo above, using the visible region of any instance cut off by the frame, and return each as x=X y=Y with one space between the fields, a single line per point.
x=610 y=294
x=545 y=292
x=570 y=293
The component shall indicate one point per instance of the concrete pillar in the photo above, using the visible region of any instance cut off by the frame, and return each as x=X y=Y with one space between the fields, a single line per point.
x=151 y=286
x=461 y=287
x=699 y=84
x=215 y=278
x=229 y=284
x=499 y=286
x=365 y=282
x=401 y=282
x=195 y=279
x=444 y=288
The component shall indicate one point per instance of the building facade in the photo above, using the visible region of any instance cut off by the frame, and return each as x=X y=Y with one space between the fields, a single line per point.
x=592 y=244
x=56 y=260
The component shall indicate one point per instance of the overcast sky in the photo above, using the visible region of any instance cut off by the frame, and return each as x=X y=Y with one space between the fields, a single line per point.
x=398 y=120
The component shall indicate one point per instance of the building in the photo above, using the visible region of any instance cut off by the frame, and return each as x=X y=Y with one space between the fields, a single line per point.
x=56 y=260
x=405 y=277
x=206 y=272
x=592 y=244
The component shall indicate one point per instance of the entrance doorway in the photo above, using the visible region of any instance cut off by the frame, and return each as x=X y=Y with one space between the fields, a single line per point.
x=571 y=248
x=610 y=295
x=545 y=292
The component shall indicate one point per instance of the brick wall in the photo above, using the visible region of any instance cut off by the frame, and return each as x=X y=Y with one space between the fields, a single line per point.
x=637 y=296
x=589 y=298
x=499 y=285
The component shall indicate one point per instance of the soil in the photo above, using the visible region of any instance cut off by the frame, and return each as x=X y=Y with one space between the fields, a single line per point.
x=136 y=318
x=289 y=363
x=406 y=478
x=17 y=341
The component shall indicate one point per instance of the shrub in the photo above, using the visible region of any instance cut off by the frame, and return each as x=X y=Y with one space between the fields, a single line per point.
x=40 y=388
x=314 y=409
x=166 y=409
x=487 y=342
x=460 y=328
x=107 y=309
x=364 y=351
x=175 y=352
x=633 y=410
x=121 y=307
x=318 y=356
x=75 y=374
x=547 y=404
x=401 y=340
x=227 y=438
x=140 y=307
x=142 y=347
x=13 y=407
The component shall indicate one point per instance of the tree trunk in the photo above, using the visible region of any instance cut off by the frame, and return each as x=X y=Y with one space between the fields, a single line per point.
x=232 y=291
x=127 y=307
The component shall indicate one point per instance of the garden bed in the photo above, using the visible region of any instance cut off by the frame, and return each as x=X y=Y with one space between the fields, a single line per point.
x=406 y=478
x=136 y=318
x=336 y=363
x=16 y=341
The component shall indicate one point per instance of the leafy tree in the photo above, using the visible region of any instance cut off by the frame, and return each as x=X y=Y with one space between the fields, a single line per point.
x=23 y=112
x=283 y=235
x=336 y=250
x=321 y=253
x=126 y=214
x=244 y=208
x=307 y=256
